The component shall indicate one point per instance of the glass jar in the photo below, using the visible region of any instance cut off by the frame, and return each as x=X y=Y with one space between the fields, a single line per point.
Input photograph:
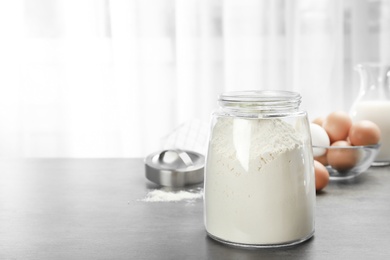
x=373 y=103
x=259 y=175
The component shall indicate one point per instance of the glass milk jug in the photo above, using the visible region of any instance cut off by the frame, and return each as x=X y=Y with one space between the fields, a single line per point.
x=259 y=175
x=373 y=103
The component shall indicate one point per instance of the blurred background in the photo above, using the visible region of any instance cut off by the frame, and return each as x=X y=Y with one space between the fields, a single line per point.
x=123 y=78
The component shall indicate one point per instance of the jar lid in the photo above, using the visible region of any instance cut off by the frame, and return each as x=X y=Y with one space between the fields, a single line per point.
x=175 y=168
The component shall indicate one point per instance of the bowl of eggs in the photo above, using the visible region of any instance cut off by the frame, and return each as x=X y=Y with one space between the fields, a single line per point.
x=345 y=148
x=344 y=161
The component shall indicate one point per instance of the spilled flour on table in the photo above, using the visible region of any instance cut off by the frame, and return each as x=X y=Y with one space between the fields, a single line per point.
x=173 y=196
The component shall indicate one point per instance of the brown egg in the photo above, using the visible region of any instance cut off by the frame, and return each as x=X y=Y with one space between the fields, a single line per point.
x=318 y=120
x=321 y=176
x=364 y=132
x=322 y=159
x=342 y=159
x=337 y=125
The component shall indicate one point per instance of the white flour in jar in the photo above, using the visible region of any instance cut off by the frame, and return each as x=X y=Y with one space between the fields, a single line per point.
x=259 y=183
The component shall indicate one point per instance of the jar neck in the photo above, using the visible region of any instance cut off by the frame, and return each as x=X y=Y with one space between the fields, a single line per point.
x=260 y=102
x=374 y=80
x=374 y=75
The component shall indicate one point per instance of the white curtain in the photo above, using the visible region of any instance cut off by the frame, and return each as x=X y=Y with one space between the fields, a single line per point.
x=113 y=78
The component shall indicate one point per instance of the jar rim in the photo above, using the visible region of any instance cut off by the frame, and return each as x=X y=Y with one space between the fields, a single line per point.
x=371 y=64
x=267 y=96
x=260 y=101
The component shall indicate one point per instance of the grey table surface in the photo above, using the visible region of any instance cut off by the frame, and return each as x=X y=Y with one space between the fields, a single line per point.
x=93 y=209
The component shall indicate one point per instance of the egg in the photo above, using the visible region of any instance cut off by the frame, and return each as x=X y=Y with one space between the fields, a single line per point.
x=337 y=125
x=342 y=159
x=322 y=159
x=321 y=176
x=318 y=120
x=319 y=137
x=364 y=132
